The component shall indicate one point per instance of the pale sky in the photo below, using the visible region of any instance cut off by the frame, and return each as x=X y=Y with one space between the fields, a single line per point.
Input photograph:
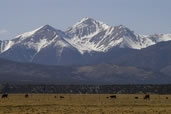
x=142 y=16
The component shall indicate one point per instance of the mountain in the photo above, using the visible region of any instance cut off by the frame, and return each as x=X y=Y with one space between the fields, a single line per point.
x=44 y=45
x=155 y=58
x=91 y=35
x=87 y=42
x=26 y=73
x=89 y=52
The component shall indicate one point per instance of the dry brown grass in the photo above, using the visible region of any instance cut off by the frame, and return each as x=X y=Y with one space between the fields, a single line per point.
x=84 y=104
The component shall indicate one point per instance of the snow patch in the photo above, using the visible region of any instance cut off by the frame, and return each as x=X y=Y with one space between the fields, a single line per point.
x=61 y=43
x=5 y=45
x=165 y=37
x=38 y=45
x=28 y=34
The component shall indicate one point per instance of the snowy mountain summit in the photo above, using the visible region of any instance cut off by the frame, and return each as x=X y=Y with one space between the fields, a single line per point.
x=92 y=35
x=87 y=35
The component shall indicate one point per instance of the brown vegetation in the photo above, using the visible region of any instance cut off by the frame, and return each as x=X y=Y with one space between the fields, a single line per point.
x=85 y=104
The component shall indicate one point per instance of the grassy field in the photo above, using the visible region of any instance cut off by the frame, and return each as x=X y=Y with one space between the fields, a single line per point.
x=84 y=104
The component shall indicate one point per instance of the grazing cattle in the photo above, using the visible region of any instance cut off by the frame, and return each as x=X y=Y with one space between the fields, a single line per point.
x=147 y=97
x=167 y=98
x=136 y=97
x=61 y=97
x=54 y=96
x=4 y=95
x=26 y=95
x=113 y=96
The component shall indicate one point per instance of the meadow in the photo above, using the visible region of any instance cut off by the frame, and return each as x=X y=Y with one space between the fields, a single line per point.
x=85 y=104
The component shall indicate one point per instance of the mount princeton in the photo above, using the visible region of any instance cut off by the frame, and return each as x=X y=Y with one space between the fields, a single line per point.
x=86 y=42
x=89 y=52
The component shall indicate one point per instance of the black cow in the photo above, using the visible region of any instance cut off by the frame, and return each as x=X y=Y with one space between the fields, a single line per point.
x=113 y=96
x=5 y=95
x=61 y=97
x=26 y=95
x=147 y=97
x=136 y=97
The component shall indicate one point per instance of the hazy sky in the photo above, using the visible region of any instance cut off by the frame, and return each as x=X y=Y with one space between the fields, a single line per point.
x=142 y=16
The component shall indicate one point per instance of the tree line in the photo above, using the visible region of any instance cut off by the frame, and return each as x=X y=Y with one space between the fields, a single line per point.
x=86 y=89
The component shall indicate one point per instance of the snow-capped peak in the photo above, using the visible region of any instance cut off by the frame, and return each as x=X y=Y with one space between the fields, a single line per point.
x=31 y=33
x=91 y=35
x=28 y=34
x=83 y=21
x=47 y=27
x=86 y=27
x=87 y=21
x=87 y=35
x=36 y=39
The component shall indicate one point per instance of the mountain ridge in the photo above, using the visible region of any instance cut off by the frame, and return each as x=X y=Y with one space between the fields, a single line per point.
x=87 y=38
x=86 y=28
